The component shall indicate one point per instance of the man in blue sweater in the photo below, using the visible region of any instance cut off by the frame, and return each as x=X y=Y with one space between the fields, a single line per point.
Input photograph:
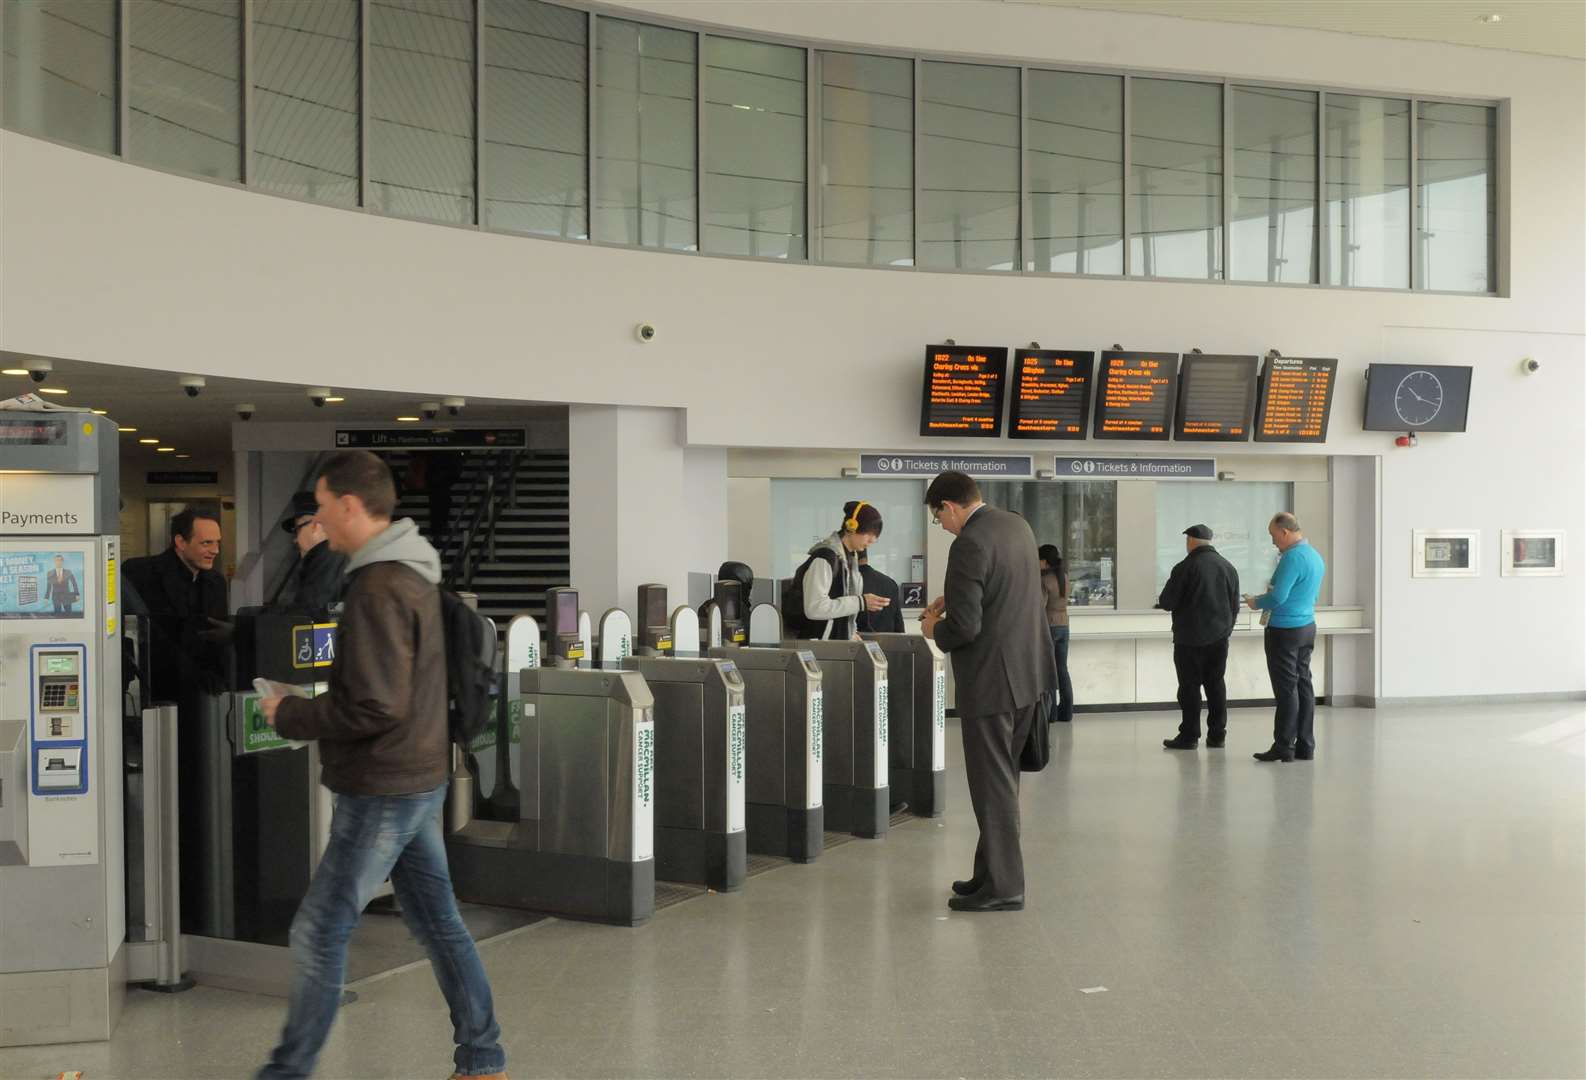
x=1290 y=639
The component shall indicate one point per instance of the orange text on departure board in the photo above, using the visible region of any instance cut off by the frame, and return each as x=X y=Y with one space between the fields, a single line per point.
x=1133 y=385
x=1296 y=401
x=1046 y=392
x=966 y=385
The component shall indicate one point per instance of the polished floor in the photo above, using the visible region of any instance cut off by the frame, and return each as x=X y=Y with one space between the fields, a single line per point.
x=1410 y=904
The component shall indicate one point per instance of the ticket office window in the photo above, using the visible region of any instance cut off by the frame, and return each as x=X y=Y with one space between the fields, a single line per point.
x=1237 y=513
x=1081 y=518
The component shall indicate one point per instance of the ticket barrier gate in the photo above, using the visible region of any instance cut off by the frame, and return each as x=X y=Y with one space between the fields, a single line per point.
x=855 y=755
x=916 y=720
x=582 y=844
x=784 y=716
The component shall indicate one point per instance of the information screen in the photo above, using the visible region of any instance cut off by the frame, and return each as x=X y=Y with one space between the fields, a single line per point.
x=31 y=429
x=1216 y=398
x=963 y=391
x=1051 y=393
x=1296 y=399
x=1416 y=397
x=1134 y=395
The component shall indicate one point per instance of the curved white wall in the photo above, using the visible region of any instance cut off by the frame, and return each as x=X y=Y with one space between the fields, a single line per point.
x=114 y=263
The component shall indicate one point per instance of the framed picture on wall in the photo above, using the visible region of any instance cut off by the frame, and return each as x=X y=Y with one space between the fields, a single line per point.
x=1533 y=553
x=1447 y=553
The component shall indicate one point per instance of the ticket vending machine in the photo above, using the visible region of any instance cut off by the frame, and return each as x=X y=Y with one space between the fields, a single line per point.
x=62 y=880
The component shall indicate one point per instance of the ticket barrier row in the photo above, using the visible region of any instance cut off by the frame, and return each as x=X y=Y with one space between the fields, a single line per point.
x=610 y=769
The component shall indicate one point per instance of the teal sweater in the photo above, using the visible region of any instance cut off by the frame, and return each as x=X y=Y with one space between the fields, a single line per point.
x=1295 y=584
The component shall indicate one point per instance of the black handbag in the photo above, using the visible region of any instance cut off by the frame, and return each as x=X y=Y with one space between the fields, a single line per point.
x=1038 y=746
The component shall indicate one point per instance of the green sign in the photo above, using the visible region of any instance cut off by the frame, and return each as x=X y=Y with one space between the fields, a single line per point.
x=257 y=736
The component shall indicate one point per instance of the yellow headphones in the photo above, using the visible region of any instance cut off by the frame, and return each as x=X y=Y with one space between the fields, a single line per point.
x=851 y=525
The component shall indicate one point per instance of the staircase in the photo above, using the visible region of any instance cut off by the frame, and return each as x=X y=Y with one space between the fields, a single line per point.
x=528 y=550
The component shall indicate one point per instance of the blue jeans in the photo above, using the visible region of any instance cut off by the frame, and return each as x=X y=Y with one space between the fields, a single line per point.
x=1062 y=709
x=372 y=837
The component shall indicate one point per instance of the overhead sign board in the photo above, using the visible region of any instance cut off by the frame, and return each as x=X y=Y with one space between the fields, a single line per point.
x=433 y=438
x=989 y=466
x=1124 y=468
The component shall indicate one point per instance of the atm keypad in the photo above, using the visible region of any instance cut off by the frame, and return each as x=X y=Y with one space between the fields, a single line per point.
x=58 y=696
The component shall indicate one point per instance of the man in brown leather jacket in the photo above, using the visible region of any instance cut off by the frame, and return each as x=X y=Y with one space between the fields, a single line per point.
x=383 y=748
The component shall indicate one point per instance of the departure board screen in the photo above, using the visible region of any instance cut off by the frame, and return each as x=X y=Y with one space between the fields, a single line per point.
x=1296 y=399
x=1216 y=398
x=963 y=391
x=1051 y=393
x=1134 y=395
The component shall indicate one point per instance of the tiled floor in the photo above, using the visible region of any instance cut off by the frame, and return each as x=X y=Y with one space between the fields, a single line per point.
x=1411 y=904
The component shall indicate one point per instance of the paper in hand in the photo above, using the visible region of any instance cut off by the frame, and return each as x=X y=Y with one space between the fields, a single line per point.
x=271 y=688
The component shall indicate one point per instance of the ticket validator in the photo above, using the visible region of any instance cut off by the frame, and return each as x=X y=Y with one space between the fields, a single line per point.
x=62 y=848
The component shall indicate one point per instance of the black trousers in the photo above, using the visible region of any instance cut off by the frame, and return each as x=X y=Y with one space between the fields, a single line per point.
x=991 y=765
x=1202 y=666
x=1289 y=665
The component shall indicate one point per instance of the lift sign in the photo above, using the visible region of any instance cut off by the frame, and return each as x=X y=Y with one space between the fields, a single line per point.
x=735 y=746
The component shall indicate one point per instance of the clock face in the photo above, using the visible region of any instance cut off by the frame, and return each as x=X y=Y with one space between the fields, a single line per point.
x=1418 y=398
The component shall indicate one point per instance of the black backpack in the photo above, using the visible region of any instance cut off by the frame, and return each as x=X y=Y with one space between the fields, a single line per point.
x=470 y=668
x=795 y=624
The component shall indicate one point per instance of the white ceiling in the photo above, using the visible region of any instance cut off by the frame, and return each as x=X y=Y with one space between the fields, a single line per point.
x=154 y=403
x=1549 y=27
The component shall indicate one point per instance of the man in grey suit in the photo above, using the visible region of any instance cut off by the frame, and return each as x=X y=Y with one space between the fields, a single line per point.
x=992 y=620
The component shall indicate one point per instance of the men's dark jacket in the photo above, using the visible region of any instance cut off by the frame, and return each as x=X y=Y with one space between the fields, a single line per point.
x=382 y=726
x=187 y=652
x=995 y=624
x=1203 y=595
x=889 y=620
x=316 y=581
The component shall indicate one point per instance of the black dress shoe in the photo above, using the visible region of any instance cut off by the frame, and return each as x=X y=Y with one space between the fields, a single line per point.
x=967 y=888
x=1275 y=754
x=981 y=902
x=1179 y=742
x=1303 y=755
x=1214 y=742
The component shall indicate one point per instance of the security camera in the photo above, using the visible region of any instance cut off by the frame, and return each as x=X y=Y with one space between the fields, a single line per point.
x=430 y=410
x=192 y=385
x=318 y=395
x=1529 y=366
x=39 y=370
x=245 y=410
x=454 y=405
x=645 y=332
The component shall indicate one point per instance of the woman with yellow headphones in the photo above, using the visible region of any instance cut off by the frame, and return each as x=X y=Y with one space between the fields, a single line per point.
x=831 y=588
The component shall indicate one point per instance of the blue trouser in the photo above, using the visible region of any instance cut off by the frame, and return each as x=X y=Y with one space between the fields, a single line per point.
x=1062 y=711
x=372 y=837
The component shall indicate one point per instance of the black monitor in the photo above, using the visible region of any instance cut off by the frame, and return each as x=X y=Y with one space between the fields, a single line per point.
x=561 y=625
x=1417 y=397
x=1216 y=398
x=963 y=391
x=729 y=599
x=1296 y=399
x=1134 y=395
x=1050 y=397
x=655 y=628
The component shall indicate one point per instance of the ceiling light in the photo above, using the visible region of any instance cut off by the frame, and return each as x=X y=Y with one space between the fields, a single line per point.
x=128 y=430
x=407 y=419
x=165 y=449
x=101 y=412
x=14 y=371
x=183 y=457
x=151 y=442
x=1490 y=19
x=334 y=400
x=52 y=390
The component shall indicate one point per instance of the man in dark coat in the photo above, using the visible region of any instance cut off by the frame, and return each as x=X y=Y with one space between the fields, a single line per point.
x=1202 y=592
x=992 y=621
x=889 y=620
x=316 y=580
x=184 y=598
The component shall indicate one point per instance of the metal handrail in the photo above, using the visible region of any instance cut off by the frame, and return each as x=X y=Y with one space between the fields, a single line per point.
x=276 y=537
x=460 y=575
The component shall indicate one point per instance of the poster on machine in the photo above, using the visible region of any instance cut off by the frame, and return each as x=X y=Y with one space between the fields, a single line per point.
x=41 y=585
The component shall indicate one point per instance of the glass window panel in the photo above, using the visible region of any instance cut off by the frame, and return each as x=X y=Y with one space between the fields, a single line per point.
x=1237 y=513
x=305 y=99
x=969 y=167
x=755 y=149
x=1274 y=185
x=1456 y=162
x=1176 y=179
x=867 y=159
x=1081 y=518
x=60 y=70
x=421 y=109
x=185 y=85
x=804 y=512
x=1075 y=162
x=1368 y=191
x=536 y=119
x=645 y=122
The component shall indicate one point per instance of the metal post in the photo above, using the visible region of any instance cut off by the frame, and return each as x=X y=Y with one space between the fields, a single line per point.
x=1021 y=258
x=1417 y=271
x=247 y=92
x=363 y=103
x=914 y=210
x=1126 y=217
x=1226 y=248
x=1324 y=217
x=123 y=75
x=160 y=740
x=812 y=158
x=479 y=114
x=591 y=75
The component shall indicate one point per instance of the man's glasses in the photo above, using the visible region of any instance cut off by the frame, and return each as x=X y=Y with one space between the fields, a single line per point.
x=936 y=515
x=301 y=523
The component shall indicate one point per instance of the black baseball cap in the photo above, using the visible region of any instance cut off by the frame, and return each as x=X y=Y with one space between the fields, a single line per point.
x=303 y=504
x=1199 y=532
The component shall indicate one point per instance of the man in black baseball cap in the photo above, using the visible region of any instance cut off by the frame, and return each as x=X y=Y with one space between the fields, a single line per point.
x=316 y=580
x=1203 y=595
